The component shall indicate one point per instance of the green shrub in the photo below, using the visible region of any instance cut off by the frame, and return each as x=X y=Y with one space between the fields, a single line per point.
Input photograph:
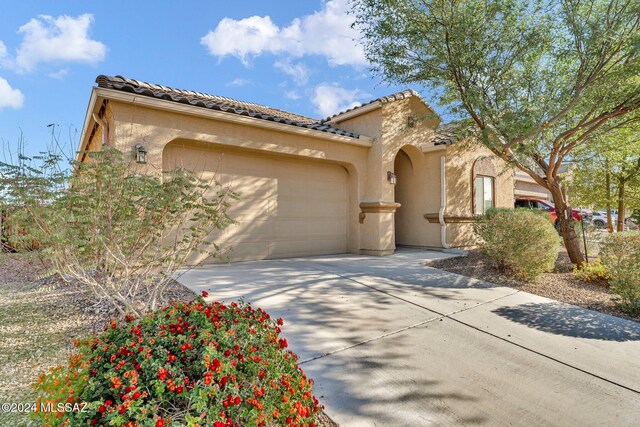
x=118 y=232
x=14 y=233
x=520 y=241
x=187 y=364
x=592 y=271
x=620 y=254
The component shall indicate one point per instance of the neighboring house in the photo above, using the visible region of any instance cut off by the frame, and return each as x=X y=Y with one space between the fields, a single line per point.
x=527 y=188
x=361 y=181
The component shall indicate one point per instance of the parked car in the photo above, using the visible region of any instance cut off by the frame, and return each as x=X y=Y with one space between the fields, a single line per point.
x=546 y=206
x=599 y=219
x=586 y=214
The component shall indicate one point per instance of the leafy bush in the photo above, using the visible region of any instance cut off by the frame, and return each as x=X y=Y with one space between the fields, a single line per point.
x=592 y=271
x=521 y=241
x=620 y=254
x=14 y=231
x=193 y=364
x=120 y=233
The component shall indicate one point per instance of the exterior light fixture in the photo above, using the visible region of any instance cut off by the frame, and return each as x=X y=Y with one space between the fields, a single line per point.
x=411 y=121
x=141 y=154
x=391 y=177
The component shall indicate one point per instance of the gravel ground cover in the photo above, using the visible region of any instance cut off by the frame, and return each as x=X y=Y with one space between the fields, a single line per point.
x=39 y=318
x=561 y=284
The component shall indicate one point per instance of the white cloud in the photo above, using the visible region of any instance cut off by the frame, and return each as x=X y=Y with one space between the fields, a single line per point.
x=331 y=99
x=10 y=97
x=5 y=60
x=239 y=82
x=48 y=39
x=298 y=72
x=60 y=74
x=292 y=94
x=327 y=33
x=249 y=36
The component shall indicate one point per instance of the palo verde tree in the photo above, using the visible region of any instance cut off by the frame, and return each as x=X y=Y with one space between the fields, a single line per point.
x=534 y=78
x=607 y=172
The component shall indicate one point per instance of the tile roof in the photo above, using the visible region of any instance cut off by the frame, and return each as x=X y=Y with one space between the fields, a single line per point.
x=449 y=133
x=218 y=103
x=405 y=94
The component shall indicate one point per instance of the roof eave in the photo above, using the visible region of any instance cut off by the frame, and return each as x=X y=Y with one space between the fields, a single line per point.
x=357 y=111
x=88 y=119
x=166 y=105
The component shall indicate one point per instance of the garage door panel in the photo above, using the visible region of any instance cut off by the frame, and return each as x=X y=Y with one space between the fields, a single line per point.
x=248 y=231
x=247 y=251
x=287 y=207
x=251 y=187
x=281 y=249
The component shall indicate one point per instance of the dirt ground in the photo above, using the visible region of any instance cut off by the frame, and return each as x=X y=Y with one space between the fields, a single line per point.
x=561 y=284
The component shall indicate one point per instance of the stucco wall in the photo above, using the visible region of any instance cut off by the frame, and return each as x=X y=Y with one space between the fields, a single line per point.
x=460 y=178
x=422 y=194
x=155 y=128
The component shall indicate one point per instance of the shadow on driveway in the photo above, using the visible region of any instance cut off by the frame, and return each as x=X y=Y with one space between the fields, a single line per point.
x=571 y=321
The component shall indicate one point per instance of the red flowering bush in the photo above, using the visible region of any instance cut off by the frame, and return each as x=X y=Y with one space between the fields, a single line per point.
x=193 y=364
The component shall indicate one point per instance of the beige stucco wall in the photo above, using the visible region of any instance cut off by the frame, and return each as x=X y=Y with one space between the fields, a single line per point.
x=417 y=176
x=526 y=187
x=460 y=175
x=156 y=128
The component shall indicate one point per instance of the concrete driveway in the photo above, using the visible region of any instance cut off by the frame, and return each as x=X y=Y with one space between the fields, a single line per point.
x=391 y=342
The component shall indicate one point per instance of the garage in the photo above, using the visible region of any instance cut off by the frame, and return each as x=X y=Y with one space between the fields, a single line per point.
x=287 y=206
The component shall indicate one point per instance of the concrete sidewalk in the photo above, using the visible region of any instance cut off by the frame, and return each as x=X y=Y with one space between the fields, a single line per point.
x=389 y=341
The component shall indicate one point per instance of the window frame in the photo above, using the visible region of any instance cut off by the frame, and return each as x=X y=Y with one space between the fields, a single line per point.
x=474 y=194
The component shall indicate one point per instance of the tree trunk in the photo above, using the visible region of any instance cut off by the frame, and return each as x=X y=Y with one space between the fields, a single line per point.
x=566 y=221
x=608 y=193
x=621 y=204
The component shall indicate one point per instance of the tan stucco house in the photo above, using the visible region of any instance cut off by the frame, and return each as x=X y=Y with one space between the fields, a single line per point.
x=363 y=181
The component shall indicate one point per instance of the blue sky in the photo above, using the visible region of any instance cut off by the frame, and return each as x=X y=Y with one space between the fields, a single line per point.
x=290 y=54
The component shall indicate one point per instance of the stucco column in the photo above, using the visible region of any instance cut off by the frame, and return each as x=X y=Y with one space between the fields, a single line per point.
x=378 y=227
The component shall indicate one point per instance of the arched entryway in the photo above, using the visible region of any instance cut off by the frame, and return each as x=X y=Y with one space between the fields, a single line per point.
x=407 y=216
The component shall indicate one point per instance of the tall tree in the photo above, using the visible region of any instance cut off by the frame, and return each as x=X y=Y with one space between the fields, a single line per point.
x=607 y=171
x=535 y=78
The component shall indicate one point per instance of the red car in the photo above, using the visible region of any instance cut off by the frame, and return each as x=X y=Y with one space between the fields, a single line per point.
x=546 y=206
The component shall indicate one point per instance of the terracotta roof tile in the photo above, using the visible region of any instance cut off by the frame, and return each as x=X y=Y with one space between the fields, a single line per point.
x=219 y=103
x=449 y=133
x=405 y=94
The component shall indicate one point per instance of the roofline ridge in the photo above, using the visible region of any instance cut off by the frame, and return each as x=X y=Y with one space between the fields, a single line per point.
x=396 y=96
x=154 y=86
x=215 y=102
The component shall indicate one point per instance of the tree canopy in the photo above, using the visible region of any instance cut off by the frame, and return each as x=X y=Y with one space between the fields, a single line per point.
x=533 y=78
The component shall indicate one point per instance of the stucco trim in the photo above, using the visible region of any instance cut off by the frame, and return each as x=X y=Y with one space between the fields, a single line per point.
x=429 y=147
x=88 y=118
x=379 y=207
x=145 y=101
x=434 y=218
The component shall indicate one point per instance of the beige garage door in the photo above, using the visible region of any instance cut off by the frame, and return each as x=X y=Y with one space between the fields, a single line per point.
x=287 y=207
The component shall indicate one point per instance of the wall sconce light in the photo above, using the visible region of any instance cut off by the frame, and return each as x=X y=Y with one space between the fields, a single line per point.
x=411 y=121
x=391 y=177
x=141 y=153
